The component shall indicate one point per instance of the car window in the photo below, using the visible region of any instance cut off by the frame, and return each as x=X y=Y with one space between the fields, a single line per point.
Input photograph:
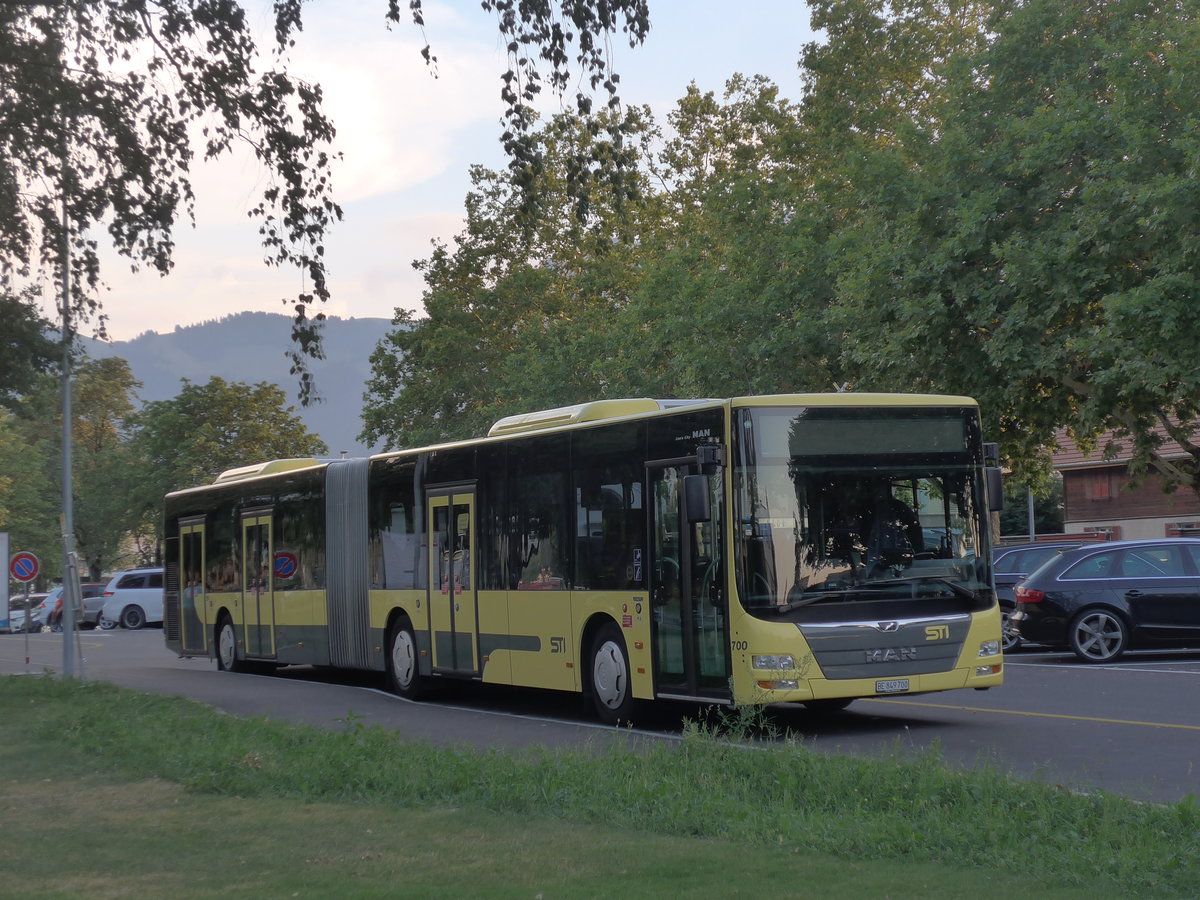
x=155 y=580
x=1192 y=551
x=132 y=581
x=1031 y=559
x=1163 y=561
x=1100 y=565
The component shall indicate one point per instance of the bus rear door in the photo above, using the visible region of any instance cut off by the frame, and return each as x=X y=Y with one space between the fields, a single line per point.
x=192 y=599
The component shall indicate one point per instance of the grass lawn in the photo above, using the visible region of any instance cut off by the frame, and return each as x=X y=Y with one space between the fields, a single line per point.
x=109 y=793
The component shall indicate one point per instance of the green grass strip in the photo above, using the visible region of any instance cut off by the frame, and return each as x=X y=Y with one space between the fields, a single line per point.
x=781 y=795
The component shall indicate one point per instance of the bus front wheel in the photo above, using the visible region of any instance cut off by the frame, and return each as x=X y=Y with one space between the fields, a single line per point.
x=403 y=662
x=612 y=694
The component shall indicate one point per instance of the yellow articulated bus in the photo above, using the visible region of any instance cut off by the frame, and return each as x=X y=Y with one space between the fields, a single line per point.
x=807 y=548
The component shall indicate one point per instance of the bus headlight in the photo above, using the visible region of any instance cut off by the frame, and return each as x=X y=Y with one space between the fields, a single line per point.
x=775 y=663
x=989 y=648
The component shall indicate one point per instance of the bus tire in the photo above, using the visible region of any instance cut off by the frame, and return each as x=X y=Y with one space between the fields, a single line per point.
x=403 y=662
x=612 y=693
x=227 y=652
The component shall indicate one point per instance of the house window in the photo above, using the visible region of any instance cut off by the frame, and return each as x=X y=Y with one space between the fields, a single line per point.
x=1099 y=484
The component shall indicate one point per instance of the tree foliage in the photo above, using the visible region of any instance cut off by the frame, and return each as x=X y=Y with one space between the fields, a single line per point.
x=126 y=459
x=102 y=471
x=98 y=105
x=203 y=431
x=1046 y=234
x=988 y=198
x=101 y=105
x=513 y=312
x=25 y=349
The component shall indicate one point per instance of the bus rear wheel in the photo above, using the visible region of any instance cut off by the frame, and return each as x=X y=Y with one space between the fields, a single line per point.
x=612 y=694
x=403 y=662
x=227 y=655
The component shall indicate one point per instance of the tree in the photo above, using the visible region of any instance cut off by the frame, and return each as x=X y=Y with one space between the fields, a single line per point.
x=103 y=471
x=31 y=459
x=734 y=289
x=28 y=500
x=1047 y=507
x=203 y=431
x=1042 y=240
x=99 y=103
x=519 y=312
x=25 y=351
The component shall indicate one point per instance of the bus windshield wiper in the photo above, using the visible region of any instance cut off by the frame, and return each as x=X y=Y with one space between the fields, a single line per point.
x=957 y=588
x=810 y=597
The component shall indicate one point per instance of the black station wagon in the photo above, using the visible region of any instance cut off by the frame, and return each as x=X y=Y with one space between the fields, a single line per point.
x=1011 y=564
x=1101 y=599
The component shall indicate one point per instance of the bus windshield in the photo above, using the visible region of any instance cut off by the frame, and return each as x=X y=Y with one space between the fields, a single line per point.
x=845 y=505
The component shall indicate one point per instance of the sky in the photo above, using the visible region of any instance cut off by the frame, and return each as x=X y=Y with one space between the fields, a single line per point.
x=408 y=140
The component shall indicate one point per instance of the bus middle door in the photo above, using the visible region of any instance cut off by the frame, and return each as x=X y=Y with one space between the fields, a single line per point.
x=453 y=611
x=258 y=587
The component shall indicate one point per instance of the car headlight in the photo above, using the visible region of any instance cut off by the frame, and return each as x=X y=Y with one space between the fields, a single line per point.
x=773 y=662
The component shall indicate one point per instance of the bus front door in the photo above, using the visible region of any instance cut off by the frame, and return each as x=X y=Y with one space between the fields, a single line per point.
x=258 y=589
x=453 y=614
x=192 y=599
x=690 y=635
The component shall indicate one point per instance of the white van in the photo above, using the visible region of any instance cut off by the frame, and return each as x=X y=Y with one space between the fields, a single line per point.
x=133 y=599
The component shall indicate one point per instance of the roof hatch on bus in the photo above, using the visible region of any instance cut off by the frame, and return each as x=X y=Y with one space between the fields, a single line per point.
x=266 y=468
x=595 y=411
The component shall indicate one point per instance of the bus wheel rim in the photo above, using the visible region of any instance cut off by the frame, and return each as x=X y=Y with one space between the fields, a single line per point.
x=226 y=646
x=610 y=680
x=404 y=658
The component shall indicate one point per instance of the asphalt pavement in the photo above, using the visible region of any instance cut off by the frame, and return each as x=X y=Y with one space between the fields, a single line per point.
x=1132 y=727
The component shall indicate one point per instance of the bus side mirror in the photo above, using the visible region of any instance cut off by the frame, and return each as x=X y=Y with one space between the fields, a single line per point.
x=695 y=497
x=995 y=488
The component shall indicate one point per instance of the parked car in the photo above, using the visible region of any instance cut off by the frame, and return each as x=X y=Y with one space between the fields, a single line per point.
x=1012 y=563
x=133 y=599
x=1101 y=599
x=16 y=612
x=92 y=594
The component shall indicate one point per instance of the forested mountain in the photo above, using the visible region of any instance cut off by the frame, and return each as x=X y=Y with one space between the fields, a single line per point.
x=250 y=347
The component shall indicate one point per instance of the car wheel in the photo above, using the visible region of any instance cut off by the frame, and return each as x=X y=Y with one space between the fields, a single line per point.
x=403 y=662
x=612 y=694
x=1010 y=636
x=107 y=624
x=227 y=655
x=1098 y=636
x=133 y=618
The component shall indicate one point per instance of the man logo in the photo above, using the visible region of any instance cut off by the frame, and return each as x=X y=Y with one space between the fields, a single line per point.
x=887 y=627
x=937 y=633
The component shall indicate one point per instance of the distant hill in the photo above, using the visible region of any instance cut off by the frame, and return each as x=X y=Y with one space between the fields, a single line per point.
x=250 y=347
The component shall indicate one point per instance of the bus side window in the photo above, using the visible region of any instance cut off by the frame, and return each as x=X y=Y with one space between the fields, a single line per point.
x=539 y=515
